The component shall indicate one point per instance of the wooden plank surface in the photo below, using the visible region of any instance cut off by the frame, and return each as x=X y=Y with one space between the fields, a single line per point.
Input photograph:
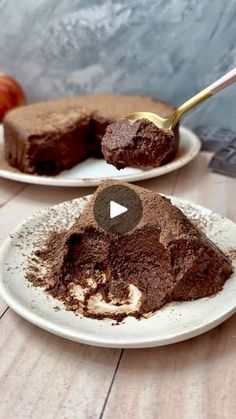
x=9 y=189
x=3 y=307
x=198 y=184
x=44 y=375
x=194 y=379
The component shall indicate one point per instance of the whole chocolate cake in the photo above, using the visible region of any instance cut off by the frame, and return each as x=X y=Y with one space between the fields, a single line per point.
x=48 y=137
x=164 y=258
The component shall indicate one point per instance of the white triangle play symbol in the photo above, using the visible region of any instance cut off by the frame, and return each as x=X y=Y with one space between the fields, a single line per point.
x=116 y=209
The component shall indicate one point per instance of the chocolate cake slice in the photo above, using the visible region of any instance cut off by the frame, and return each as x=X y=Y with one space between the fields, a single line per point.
x=139 y=143
x=48 y=137
x=164 y=258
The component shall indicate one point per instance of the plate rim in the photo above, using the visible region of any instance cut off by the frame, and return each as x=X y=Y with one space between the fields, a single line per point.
x=87 y=182
x=78 y=336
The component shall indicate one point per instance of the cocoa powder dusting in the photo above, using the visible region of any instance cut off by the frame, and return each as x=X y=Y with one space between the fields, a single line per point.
x=101 y=275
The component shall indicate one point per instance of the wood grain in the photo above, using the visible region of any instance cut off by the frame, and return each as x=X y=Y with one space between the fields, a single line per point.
x=190 y=380
x=8 y=189
x=3 y=307
x=43 y=375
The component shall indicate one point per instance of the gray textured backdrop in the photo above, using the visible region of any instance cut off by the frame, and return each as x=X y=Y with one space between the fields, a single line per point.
x=165 y=48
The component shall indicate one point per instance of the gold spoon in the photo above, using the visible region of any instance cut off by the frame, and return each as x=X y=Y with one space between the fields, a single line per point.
x=171 y=121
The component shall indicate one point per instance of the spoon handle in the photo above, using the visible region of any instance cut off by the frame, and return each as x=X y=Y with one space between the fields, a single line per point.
x=200 y=97
x=223 y=82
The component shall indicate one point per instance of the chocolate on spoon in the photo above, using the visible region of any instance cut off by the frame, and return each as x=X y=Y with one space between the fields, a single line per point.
x=139 y=143
x=148 y=140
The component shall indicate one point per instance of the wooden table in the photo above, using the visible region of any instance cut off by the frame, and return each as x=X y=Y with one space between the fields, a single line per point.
x=44 y=376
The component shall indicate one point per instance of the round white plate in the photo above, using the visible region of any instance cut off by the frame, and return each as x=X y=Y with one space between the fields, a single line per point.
x=173 y=323
x=92 y=171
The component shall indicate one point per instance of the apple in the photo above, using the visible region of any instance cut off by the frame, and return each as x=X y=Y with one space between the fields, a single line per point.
x=11 y=94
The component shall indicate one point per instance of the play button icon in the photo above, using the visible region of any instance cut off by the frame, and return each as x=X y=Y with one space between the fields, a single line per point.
x=118 y=209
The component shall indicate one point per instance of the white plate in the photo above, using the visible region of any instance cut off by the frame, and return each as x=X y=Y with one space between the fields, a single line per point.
x=173 y=323
x=92 y=171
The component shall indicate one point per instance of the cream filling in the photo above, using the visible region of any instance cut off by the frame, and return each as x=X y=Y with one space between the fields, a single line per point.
x=98 y=306
x=79 y=292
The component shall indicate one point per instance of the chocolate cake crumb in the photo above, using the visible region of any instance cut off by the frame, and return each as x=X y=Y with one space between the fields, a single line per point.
x=139 y=143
